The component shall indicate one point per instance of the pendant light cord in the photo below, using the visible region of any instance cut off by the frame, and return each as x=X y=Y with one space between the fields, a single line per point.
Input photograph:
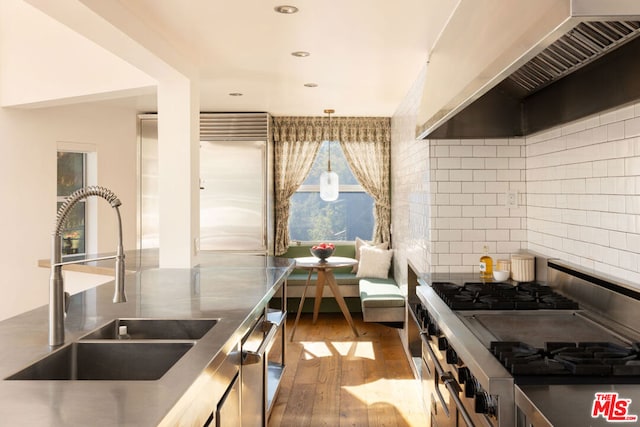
x=329 y=140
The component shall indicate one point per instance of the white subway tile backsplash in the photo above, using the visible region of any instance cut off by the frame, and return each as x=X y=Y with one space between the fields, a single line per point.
x=440 y=175
x=618 y=240
x=440 y=151
x=449 y=259
x=449 y=187
x=632 y=166
x=517 y=163
x=472 y=163
x=485 y=150
x=593 y=174
x=461 y=151
x=461 y=199
x=632 y=127
x=485 y=199
x=449 y=163
x=461 y=175
x=484 y=175
x=474 y=211
x=509 y=247
x=473 y=187
x=509 y=151
x=615 y=131
x=450 y=235
x=508 y=223
x=502 y=235
x=497 y=163
x=614 y=204
x=632 y=204
x=508 y=175
x=484 y=223
x=474 y=235
x=449 y=211
x=577 y=126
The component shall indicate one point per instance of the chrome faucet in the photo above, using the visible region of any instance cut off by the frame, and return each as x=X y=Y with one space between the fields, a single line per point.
x=58 y=298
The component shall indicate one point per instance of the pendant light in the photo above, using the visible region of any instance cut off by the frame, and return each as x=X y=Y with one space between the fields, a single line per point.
x=328 y=179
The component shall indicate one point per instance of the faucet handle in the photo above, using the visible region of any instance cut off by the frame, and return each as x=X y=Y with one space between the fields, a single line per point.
x=67 y=300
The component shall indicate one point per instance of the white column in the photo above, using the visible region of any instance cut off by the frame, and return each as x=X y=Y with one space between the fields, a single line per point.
x=179 y=169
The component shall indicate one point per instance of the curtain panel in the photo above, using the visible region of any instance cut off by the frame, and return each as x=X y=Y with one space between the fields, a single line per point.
x=366 y=143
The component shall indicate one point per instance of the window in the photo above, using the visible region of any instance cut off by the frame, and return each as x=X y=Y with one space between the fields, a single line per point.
x=71 y=177
x=313 y=219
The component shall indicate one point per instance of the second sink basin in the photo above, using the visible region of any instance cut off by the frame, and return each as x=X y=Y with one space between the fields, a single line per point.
x=118 y=361
x=154 y=329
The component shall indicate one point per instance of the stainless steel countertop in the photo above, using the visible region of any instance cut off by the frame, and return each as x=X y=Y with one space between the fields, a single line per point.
x=571 y=405
x=233 y=288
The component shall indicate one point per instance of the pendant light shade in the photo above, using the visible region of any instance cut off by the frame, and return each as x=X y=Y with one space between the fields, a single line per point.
x=329 y=182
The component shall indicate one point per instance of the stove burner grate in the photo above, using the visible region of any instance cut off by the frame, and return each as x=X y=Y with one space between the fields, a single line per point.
x=501 y=296
x=558 y=361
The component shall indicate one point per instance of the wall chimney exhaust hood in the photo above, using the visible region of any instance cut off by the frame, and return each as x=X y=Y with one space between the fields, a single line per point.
x=518 y=67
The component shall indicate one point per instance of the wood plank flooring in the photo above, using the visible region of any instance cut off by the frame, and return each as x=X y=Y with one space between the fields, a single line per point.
x=335 y=379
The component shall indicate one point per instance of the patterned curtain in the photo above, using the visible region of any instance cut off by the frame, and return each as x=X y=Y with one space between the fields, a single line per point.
x=297 y=141
x=366 y=144
x=369 y=157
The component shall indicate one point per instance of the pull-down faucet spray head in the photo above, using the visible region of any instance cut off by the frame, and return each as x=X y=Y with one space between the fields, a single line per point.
x=57 y=295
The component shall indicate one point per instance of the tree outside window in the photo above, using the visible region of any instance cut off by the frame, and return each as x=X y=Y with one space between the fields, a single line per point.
x=71 y=177
x=313 y=219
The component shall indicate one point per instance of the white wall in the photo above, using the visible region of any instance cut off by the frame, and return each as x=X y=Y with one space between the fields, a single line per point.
x=28 y=143
x=43 y=60
x=583 y=185
x=410 y=188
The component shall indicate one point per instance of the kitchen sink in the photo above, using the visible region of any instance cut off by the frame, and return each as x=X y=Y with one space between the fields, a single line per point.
x=153 y=329
x=118 y=361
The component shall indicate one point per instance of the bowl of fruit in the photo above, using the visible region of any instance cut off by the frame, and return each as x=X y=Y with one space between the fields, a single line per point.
x=323 y=250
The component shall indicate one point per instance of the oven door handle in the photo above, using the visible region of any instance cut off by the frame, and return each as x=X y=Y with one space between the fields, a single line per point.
x=454 y=388
x=439 y=371
x=253 y=357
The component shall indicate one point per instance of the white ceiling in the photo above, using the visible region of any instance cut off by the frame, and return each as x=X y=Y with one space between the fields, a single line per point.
x=365 y=54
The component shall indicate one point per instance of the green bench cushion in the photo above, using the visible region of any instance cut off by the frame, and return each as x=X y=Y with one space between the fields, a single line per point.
x=380 y=293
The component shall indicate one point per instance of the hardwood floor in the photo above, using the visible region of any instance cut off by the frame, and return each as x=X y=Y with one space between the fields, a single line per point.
x=335 y=379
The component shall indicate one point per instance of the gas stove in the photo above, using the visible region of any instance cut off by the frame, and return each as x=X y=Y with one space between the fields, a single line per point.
x=483 y=343
x=501 y=296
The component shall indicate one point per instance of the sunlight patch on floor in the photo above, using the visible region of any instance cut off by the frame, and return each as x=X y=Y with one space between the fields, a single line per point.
x=356 y=349
x=387 y=391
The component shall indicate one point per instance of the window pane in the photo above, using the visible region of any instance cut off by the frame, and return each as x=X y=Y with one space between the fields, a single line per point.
x=73 y=230
x=312 y=219
x=339 y=165
x=71 y=176
x=70 y=172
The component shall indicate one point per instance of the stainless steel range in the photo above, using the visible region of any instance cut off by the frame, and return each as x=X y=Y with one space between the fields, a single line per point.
x=507 y=354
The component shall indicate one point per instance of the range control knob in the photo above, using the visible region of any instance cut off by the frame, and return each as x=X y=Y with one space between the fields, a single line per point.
x=483 y=404
x=432 y=329
x=470 y=387
x=442 y=344
x=452 y=356
x=463 y=375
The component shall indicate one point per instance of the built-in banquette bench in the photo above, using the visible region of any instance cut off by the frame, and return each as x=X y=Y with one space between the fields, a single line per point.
x=380 y=298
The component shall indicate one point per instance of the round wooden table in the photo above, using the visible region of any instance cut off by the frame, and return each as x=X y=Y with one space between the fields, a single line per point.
x=324 y=269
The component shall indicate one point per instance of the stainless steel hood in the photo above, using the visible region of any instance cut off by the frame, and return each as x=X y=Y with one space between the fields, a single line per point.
x=565 y=59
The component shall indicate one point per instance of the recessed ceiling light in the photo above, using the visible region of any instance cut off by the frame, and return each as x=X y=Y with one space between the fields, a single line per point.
x=300 y=54
x=311 y=84
x=235 y=94
x=286 y=9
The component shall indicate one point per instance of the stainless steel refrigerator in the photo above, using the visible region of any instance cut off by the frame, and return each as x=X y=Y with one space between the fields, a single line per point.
x=236 y=183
